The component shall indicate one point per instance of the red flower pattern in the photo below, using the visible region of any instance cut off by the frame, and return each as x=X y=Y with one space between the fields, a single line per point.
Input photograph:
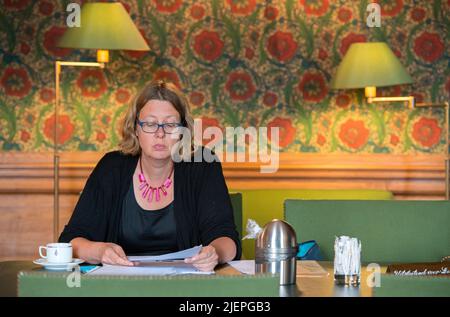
x=323 y=55
x=65 y=128
x=313 y=87
x=394 y=139
x=349 y=40
x=354 y=134
x=242 y=7
x=208 y=45
x=16 y=82
x=197 y=12
x=344 y=15
x=16 y=4
x=249 y=53
x=122 y=95
x=46 y=8
x=429 y=47
x=321 y=140
x=418 y=14
x=270 y=99
x=281 y=45
x=92 y=83
x=24 y=136
x=315 y=7
x=24 y=48
x=51 y=38
x=176 y=52
x=100 y=136
x=286 y=129
x=426 y=132
x=196 y=98
x=240 y=86
x=390 y=7
x=343 y=100
x=168 y=6
x=270 y=13
x=47 y=95
x=168 y=76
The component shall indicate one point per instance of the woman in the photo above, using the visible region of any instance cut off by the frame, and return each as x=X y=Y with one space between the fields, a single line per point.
x=140 y=201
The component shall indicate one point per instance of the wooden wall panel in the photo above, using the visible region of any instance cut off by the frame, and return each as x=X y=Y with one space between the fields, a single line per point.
x=26 y=185
x=26 y=222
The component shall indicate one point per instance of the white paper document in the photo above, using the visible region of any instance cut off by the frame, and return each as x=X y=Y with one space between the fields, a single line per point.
x=304 y=268
x=166 y=264
x=180 y=255
x=244 y=266
x=155 y=268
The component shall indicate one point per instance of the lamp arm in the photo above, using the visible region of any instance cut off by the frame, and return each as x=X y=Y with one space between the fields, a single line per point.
x=409 y=99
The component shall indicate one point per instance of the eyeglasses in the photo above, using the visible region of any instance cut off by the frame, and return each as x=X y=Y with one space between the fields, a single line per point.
x=152 y=127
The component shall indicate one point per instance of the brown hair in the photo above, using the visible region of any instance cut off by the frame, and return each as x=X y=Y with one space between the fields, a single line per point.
x=155 y=90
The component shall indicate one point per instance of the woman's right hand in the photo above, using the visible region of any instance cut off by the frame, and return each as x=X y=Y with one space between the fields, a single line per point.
x=113 y=254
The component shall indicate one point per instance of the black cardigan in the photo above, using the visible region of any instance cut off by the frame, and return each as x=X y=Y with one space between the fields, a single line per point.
x=203 y=210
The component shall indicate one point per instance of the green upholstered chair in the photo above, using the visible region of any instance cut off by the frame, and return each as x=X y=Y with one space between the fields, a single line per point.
x=54 y=284
x=390 y=231
x=412 y=286
x=263 y=205
x=236 y=202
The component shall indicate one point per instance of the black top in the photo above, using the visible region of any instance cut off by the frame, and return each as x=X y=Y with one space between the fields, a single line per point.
x=202 y=206
x=146 y=232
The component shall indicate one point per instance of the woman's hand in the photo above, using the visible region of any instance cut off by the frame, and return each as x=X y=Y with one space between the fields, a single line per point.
x=206 y=260
x=113 y=254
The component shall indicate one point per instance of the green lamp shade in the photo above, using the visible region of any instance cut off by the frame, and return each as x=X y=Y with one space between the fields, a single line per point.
x=104 y=26
x=367 y=65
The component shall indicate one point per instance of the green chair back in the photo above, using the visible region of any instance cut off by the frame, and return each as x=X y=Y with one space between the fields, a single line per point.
x=390 y=231
x=263 y=205
x=236 y=202
x=412 y=286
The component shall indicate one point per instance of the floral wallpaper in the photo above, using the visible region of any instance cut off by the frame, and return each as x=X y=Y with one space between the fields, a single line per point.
x=240 y=62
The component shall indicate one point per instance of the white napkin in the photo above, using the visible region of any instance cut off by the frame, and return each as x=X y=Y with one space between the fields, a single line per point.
x=347 y=256
x=253 y=229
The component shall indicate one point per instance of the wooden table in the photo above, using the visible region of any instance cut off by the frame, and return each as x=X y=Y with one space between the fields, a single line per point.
x=319 y=286
x=305 y=286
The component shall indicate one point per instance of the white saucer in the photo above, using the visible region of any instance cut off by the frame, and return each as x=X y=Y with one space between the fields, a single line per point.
x=57 y=266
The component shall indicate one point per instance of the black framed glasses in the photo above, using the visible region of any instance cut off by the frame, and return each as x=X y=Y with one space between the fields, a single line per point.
x=153 y=127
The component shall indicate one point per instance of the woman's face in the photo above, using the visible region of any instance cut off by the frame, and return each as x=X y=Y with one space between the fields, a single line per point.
x=157 y=145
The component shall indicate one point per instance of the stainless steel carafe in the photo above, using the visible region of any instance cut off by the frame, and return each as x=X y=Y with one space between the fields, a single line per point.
x=276 y=250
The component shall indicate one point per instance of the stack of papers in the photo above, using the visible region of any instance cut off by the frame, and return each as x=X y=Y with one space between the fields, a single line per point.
x=166 y=264
x=180 y=255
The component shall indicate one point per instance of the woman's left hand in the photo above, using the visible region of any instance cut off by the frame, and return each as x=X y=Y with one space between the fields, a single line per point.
x=206 y=260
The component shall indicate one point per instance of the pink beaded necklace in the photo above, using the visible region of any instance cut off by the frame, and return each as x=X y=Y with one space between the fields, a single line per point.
x=149 y=191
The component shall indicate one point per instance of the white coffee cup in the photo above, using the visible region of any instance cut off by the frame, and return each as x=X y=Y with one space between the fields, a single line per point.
x=57 y=252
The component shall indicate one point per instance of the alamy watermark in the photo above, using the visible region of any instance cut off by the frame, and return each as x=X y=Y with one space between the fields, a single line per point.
x=238 y=144
x=374 y=278
x=73 y=19
x=73 y=280
x=374 y=17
